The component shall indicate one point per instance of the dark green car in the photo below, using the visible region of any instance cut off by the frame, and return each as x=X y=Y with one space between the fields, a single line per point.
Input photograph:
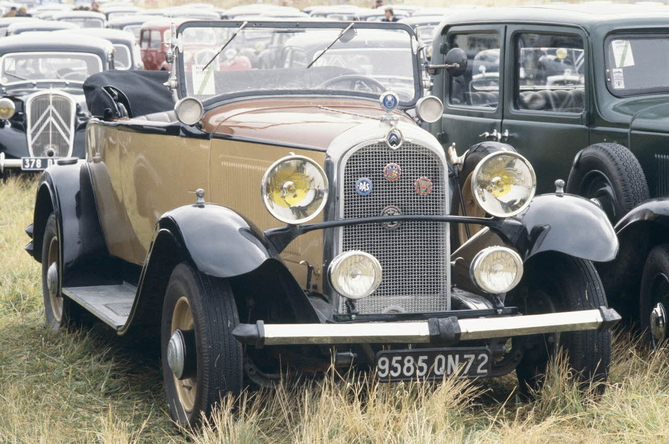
x=582 y=91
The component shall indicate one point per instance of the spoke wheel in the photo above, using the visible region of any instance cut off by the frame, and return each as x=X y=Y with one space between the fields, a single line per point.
x=654 y=296
x=201 y=360
x=555 y=282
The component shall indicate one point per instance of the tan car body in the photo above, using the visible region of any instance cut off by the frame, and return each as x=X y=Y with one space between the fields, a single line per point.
x=137 y=180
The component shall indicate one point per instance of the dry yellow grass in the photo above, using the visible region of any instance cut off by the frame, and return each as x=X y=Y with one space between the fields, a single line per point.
x=92 y=386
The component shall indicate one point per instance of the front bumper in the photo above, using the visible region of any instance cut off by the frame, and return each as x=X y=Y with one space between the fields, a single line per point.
x=443 y=332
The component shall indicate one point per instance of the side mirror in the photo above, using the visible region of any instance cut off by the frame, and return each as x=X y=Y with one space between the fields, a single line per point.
x=455 y=63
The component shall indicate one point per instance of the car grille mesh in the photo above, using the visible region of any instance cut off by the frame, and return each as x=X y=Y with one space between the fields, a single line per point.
x=414 y=256
x=50 y=125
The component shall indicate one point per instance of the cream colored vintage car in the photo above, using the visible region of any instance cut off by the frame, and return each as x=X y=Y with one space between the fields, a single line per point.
x=272 y=221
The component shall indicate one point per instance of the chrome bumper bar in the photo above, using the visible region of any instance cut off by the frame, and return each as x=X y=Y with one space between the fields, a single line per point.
x=8 y=163
x=437 y=331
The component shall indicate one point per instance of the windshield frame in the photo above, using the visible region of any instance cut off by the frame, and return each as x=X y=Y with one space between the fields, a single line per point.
x=182 y=90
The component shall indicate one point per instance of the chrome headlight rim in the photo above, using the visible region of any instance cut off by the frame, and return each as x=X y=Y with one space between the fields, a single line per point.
x=189 y=111
x=340 y=259
x=268 y=203
x=7 y=108
x=429 y=109
x=475 y=188
x=476 y=269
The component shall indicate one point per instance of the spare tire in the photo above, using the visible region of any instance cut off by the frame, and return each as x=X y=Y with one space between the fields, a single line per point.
x=610 y=174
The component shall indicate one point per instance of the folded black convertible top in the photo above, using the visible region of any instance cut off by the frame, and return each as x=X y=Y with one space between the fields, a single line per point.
x=140 y=92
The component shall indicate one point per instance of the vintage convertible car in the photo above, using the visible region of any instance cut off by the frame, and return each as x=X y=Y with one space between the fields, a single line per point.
x=43 y=113
x=280 y=220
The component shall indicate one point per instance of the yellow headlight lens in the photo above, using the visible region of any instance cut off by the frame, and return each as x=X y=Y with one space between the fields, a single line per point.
x=496 y=270
x=503 y=183
x=355 y=274
x=6 y=108
x=294 y=189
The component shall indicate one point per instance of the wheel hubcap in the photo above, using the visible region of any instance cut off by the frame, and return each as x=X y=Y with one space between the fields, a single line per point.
x=658 y=324
x=182 y=348
x=176 y=354
x=53 y=281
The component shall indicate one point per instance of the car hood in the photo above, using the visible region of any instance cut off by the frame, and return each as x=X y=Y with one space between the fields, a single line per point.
x=21 y=92
x=646 y=113
x=305 y=122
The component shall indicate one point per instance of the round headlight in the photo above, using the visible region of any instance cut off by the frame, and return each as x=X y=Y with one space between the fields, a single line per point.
x=355 y=274
x=496 y=270
x=189 y=110
x=503 y=183
x=429 y=109
x=294 y=189
x=7 y=108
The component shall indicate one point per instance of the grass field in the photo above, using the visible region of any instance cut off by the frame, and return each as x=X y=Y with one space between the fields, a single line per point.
x=92 y=386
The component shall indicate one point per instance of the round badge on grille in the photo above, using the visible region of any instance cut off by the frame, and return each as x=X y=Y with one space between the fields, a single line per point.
x=394 y=138
x=363 y=186
x=391 y=211
x=392 y=172
x=423 y=186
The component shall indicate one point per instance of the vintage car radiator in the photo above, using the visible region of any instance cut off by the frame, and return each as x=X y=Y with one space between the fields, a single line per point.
x=50 y=124
x=414 y=255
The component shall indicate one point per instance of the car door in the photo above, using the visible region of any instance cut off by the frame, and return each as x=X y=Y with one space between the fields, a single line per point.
x=545 y=104
x=472 y=101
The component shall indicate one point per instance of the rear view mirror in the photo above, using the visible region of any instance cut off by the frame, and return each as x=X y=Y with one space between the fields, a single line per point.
x=455 y=63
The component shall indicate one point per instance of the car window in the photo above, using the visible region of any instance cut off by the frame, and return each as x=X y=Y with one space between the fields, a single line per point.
x=550 y=72
x=637 y=64
x=479 y=86
x=34 y=66
x=122 y=58
x=144 y=40
x=155 y=40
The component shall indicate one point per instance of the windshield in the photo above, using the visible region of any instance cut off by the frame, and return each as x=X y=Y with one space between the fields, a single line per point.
x=32 y=66
x=302 y=58
x=637 y=64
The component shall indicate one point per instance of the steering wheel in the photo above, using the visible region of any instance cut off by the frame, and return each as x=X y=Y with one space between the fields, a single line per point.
x=356 y=82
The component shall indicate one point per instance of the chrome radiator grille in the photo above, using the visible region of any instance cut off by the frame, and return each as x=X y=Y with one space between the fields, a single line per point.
x=414 y=255
x=50 y=124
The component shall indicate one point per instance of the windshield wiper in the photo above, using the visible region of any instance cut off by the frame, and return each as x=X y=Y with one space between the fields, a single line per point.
x=341 y=34
x=225 y=45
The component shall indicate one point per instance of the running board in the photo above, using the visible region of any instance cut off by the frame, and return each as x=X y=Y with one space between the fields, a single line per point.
x=110 y=303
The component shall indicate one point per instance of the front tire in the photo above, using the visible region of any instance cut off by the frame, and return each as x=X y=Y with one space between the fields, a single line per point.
x=654 y=296
x=203 y=310
x=556 y=282
x=610 y=174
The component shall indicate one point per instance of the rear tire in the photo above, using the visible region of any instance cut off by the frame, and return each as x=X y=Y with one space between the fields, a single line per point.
x=203 y=308
x=609 y=173
x=554 y=283
x=60 y=311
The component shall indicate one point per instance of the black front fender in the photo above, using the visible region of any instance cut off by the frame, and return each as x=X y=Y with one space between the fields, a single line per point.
x=567 y=224
x=219 y=241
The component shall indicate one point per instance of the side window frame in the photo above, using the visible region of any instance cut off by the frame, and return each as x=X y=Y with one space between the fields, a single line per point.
x=443 y=79
x=512 y=81
x=144 y=39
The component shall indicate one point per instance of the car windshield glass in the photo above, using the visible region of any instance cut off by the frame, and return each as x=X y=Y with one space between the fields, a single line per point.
x=637 y=64
x=366 y=60
x=122 y=57
x=32 y=66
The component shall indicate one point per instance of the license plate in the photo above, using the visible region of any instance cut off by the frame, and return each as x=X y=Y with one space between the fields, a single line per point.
x=37 y=163
x=432 y=363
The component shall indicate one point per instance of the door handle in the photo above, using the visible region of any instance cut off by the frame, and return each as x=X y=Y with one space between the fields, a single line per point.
x=496 y=136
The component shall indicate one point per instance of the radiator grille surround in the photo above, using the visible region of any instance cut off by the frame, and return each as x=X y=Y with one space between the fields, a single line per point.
x=414 y=255
x=50 y=124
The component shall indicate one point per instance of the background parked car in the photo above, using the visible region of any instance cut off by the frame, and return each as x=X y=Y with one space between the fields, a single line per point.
x=84 y=19
x=126 y=51
x=580 y=90
x=44 y=111
x=38 y=26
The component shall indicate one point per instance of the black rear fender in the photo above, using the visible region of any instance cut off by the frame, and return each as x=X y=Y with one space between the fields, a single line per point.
x=66 y=190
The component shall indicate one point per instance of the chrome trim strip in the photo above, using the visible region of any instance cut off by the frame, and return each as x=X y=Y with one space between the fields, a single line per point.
x=420 y=332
